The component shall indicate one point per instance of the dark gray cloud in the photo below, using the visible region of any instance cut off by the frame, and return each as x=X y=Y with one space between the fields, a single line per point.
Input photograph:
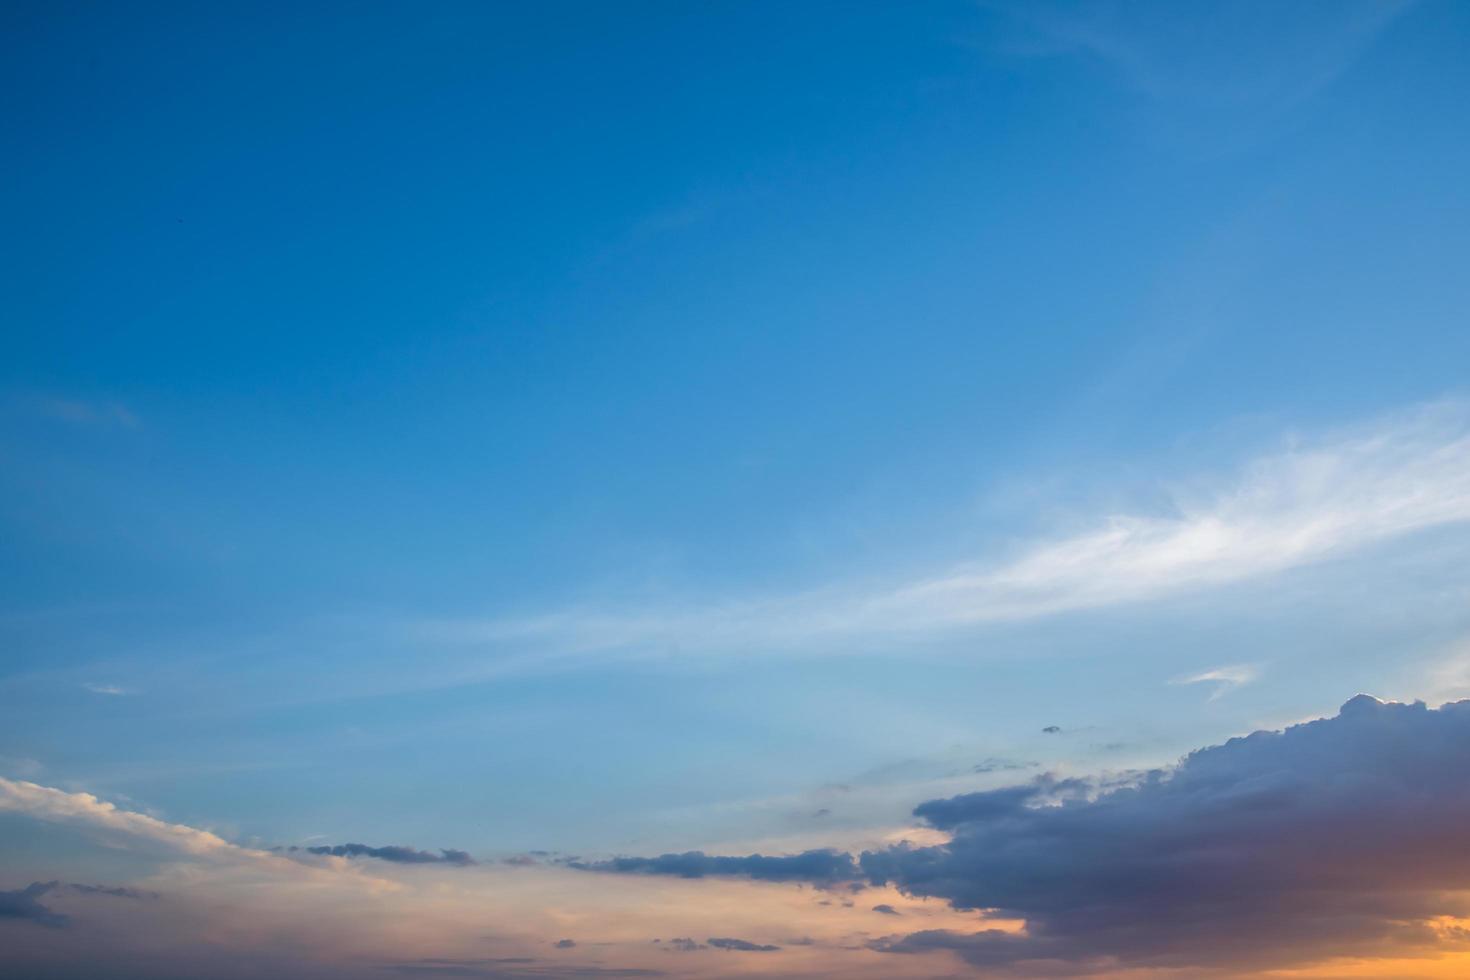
x=1001 y=765
x=741 y=946
x=1052 y=729
x=393 y=852
x=565 y=944
x=25 y=903
x=1342 y=836
x=512 y=968
x=115 y=892
x=886 y=909
x=1337 y=837
x=819 y=866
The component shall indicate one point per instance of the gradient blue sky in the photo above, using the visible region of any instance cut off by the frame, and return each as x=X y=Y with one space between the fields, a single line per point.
x=627 y=428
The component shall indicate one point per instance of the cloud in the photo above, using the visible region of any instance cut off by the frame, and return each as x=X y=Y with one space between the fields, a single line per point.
x=395 y=853
x=822 y=865
x=57 y=806
x=886 y=909
x=115 y=892
x=1344 y=836
x=89 y=413
x=565 y=944
x=1225 y=679
x=25 y=903
x=741 y=946
x=1273 y=56
x=1299 y=839
x=513 y=968
x=1312 y=500
x=110 y=689
x=51 y=805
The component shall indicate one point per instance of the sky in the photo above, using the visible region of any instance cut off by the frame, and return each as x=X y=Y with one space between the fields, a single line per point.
x=705 y=490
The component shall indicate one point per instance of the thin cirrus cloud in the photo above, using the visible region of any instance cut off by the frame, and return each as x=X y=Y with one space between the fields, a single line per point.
x=1293 y=838
x=111 y=690
x=1222 y=679
x=395 y=853
x=1317 y=499
x=819 y=866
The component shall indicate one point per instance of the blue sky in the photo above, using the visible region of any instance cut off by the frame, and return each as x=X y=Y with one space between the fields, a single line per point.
x=629 y=428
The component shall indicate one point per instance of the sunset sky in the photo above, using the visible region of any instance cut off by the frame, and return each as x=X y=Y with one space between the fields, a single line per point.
x=601 y=490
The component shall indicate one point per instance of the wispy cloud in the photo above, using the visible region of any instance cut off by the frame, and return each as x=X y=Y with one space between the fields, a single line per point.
x=1279 y=56
x=112 y=690
x=1311 y=500
x=51 y=805
x=1224 y=679
x=90 y=413
x=58 y=806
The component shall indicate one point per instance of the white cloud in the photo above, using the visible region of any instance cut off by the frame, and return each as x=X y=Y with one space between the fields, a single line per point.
x=1308 y=502
x=58 y=806
x=1225 y=679
x=89 y=413
x=110 y=689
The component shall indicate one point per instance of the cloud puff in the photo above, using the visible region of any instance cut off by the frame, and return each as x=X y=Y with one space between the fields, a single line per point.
x=111 y=690
x=25 y=903
x=823 y=865
x=1343 y=836
x=741 y=946
x=393 y=852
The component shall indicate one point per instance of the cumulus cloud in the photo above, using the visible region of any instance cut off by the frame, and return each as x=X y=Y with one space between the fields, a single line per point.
x=1345 y=836
x=396 y=853
x=1338 y=837
x=130 y=828
x=58 y=806
x=821 y=865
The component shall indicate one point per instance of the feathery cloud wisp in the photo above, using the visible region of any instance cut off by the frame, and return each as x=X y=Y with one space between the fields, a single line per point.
x=1312 y=501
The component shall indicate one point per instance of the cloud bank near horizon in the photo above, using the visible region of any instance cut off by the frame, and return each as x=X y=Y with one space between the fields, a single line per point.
x=1294 y=838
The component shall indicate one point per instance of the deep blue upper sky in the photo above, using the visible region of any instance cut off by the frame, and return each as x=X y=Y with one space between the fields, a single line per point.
x=333 y=344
